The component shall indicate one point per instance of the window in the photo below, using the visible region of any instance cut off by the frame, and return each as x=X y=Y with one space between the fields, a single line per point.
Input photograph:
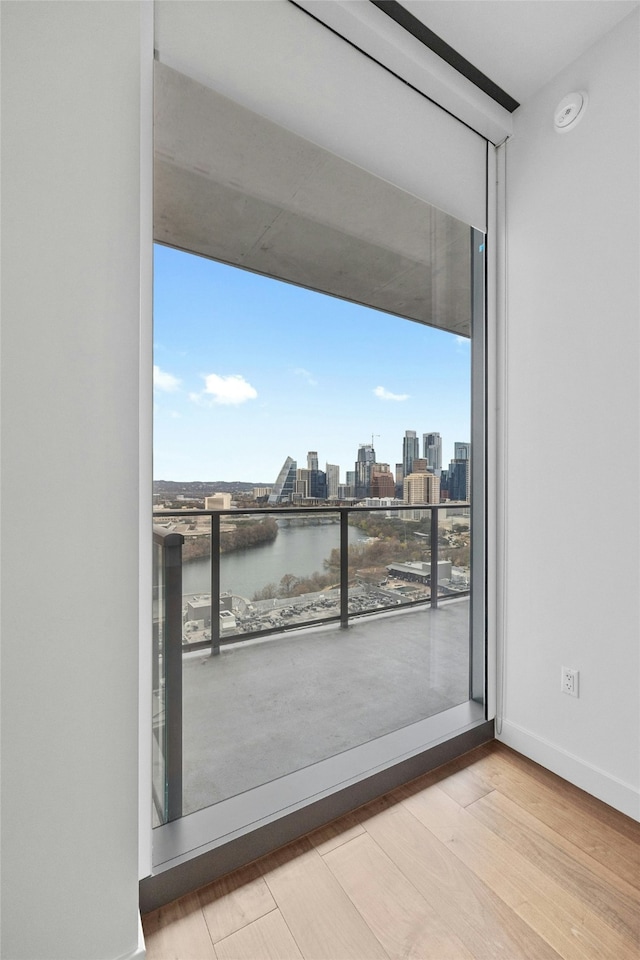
x=282 y=208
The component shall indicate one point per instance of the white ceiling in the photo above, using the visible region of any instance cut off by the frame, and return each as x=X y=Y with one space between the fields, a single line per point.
x=520 y=44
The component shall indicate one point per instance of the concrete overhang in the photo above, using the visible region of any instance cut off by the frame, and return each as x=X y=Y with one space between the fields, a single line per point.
x=236 y=187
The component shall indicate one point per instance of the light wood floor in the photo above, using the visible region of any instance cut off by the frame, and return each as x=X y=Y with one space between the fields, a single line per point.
x=490 y=856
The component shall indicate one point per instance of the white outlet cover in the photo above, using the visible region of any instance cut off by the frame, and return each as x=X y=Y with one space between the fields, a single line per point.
x=570 y=111
x=569 y=681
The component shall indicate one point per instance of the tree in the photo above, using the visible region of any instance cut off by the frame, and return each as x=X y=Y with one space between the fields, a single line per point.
x=268 y=592
x=287 y=584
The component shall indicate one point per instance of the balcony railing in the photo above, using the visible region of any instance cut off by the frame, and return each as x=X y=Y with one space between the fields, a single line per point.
x=226 y=616
x=395 y=569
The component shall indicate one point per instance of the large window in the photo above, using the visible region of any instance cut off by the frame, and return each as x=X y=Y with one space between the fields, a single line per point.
x=319 y=466
x=263 y=391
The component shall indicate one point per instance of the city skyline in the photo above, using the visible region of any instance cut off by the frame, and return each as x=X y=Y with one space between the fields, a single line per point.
x=249 y=370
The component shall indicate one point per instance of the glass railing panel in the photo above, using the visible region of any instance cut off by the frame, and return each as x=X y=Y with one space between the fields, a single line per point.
x=389 y=564
x=454 y=551
x=260 y=695
x=158 y=692
x=196 y=576
x=278 y=572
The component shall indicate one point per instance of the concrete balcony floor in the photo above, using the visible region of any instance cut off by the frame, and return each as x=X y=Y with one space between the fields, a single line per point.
x=262 y=709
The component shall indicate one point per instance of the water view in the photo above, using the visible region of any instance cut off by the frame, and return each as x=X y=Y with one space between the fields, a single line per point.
x=297 y=550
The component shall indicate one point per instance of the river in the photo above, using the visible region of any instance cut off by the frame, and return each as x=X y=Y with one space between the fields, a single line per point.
x=297 y=550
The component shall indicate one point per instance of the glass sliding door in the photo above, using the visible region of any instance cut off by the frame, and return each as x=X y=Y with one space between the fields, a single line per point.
x=319 y=453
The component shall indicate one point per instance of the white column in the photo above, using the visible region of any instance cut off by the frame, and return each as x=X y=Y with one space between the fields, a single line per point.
x=71 y=256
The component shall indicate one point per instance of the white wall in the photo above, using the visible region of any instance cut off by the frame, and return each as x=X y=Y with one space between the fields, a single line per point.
x=573 y=437
x=70 y=338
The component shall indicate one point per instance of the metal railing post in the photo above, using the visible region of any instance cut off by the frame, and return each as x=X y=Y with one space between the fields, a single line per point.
x=173 y=673
x=434 y=557
x=215 y=584
x=344 y=568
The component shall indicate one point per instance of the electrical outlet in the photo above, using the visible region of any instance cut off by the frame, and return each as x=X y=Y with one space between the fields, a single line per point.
x=569 y=681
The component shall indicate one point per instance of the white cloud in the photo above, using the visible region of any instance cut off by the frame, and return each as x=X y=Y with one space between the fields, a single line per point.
x=384 y=394
x=306 y=375
x=462 y=341
x=165 y=381
x=233 y=389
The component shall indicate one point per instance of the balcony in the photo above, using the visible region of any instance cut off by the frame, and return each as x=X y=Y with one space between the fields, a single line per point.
x=284 y=682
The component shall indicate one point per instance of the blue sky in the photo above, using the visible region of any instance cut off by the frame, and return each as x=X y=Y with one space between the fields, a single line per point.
x=249 y=370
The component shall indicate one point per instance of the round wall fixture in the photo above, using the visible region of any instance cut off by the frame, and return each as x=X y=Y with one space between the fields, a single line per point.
x=570 y=111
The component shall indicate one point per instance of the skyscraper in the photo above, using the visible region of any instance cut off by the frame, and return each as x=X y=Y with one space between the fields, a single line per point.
x=432 y=451
x=312 y=460
x=459 y=479
x=462 y=454
x=399 y=479
x=366 y=458
x=410 y=450
x=382 y=482
x=333 y=479
x=303 y=482
x=421 y=488
x=285 y=485
x=317 y=484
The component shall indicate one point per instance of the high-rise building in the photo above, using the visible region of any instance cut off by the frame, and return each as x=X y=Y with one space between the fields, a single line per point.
x=419 y=465
x=317 y=484
x=421 y=488
x=303 y=482
x=399 y=479
x=432 y=451
x=462 y=452
x=333 y=479
x=459 y=479
x=285 y=486
x=410 y=450
x=312 y=460
x=363 y=465
x=382 y=482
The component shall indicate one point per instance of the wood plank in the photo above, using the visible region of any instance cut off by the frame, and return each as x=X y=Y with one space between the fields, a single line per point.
x=602 y=891
x=472 y=843
x=602 y=812
x=321 y=917
x=232 y=902
x=403 y=921
x=178 y=932
x=336 y=833
x=559 y=916
x=587 y=940
x=551 y=802
x=267 y=938
x=485 y=924
x=458 y=778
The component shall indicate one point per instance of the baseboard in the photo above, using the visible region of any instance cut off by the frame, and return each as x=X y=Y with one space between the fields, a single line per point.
x=616 y=793
x=140 y=952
